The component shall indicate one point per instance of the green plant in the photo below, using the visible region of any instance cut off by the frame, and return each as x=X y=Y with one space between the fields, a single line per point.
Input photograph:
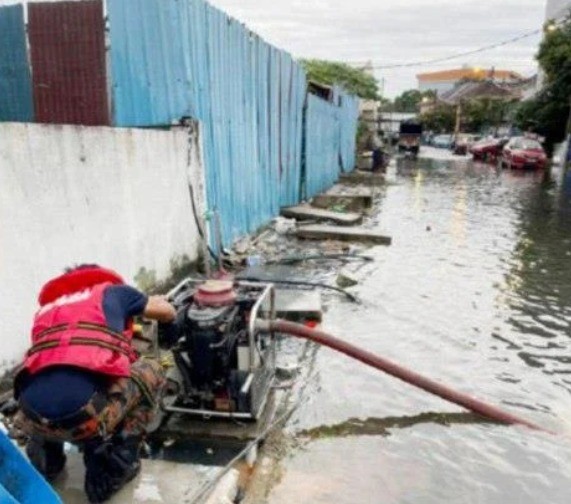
x=355 y=81
x=548 y=113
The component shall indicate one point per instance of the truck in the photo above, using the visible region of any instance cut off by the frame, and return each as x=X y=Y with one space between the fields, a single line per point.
x=409 y=138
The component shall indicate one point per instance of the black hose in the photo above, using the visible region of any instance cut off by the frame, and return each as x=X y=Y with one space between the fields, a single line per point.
x=199 y=227
x=322 y=257
x=348 y=295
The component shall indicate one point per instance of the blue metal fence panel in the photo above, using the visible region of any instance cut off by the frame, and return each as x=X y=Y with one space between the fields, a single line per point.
x=177 y=58
x=149 y=80
x=293 y=84
x=241 y=144
x=16 y=102
x=348 y=123
x=322 y=145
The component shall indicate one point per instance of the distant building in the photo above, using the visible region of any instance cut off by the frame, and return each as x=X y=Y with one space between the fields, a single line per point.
x=389 y=122
x=369 y=113
x=475 y=90
x=557 y=9
x=446 y=80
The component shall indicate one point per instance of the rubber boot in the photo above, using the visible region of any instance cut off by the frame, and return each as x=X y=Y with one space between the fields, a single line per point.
x=125 y=462
x=46 y=456
x=109 y=465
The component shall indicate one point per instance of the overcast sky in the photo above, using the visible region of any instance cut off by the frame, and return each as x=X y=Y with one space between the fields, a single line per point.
x=396 y=31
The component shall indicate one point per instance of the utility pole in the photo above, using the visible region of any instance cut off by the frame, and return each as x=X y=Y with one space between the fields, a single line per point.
x=458 y=121
x=568 y=138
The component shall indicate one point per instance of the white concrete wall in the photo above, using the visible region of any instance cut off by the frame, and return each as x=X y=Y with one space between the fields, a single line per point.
x=70 y=194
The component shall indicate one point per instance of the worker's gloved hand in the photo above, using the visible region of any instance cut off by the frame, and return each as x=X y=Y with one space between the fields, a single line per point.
x=168 y=335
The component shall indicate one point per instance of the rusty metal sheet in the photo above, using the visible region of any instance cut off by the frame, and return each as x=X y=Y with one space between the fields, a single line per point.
x=67 y=43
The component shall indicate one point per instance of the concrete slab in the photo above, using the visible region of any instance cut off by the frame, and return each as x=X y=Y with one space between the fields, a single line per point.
x=226 y=490
x=298 y=305
x=306 y=212
x=350 y=202
x=342 y=234
x=224 y=432
x=188 y=427
x=158 y=482
x=361 y=177
x=349 y=190
x=365 y=161
x=293 y=304
x=269 y=272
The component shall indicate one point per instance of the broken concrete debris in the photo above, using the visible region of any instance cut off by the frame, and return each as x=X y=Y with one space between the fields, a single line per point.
x=345 y=280
x=343 y=234
x=357 y=203
x=306 y=212
x=363 y=177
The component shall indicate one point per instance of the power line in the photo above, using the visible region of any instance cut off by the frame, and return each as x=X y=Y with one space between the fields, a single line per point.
x=460 y=55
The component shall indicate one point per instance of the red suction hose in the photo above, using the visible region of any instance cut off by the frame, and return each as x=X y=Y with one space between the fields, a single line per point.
x=426 y=384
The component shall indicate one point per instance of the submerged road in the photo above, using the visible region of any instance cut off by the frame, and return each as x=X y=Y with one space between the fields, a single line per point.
x=475 y=292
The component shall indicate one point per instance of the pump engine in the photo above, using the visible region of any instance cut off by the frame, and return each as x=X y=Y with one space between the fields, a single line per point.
x=223 y=366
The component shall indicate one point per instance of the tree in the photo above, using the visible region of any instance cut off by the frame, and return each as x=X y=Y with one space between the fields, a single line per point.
x=548 y=112
x=409 y=101
x=483 y=113
x=354 y=80
x=440 y=119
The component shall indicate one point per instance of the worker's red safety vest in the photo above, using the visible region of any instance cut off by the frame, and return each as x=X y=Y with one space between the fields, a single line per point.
x=71 y=329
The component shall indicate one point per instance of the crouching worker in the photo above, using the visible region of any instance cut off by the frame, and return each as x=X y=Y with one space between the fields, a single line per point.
x=81 y=380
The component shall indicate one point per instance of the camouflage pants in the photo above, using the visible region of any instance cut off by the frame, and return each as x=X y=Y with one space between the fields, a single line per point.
x=132 y=404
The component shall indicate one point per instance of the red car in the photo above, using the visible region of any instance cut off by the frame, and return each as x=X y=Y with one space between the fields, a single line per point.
x=524 y=153
x=489 y=149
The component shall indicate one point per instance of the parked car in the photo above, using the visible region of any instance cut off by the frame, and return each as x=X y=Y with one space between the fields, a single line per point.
x=463 y=142
x=523 y=153
x=443 y=141
x=488 y=149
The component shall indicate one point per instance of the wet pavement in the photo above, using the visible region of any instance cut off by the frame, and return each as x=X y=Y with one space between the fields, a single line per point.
x=475 y=292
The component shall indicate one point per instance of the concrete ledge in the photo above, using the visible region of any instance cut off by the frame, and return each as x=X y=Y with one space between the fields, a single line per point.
x=298 y=305
x=158 y=482
x=305 y=212
x=361 y=177
x=342 y=234
x=351 y=202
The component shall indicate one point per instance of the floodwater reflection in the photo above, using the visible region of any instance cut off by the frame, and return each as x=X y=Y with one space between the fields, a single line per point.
x=475 y=292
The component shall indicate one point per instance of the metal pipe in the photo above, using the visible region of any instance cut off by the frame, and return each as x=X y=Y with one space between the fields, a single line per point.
x=219 y=246
x=252 y=325
x=415 y=379
x=209 y=413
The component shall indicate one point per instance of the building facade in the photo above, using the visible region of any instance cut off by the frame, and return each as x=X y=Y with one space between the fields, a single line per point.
x=446 y=80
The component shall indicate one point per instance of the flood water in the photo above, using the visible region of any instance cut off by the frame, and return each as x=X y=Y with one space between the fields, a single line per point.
x=475 y=292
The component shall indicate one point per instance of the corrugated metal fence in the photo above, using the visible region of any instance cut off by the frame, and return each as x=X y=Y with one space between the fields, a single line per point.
x=348 y=124
x=67 y=46
x=173 y=59
x=15 y=82
x=322 y=145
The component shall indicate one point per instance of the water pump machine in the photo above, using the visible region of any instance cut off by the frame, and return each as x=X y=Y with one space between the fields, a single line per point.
x=224 y=366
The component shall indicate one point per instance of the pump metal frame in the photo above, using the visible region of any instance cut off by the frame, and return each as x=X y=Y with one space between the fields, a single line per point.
x=268 y=363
